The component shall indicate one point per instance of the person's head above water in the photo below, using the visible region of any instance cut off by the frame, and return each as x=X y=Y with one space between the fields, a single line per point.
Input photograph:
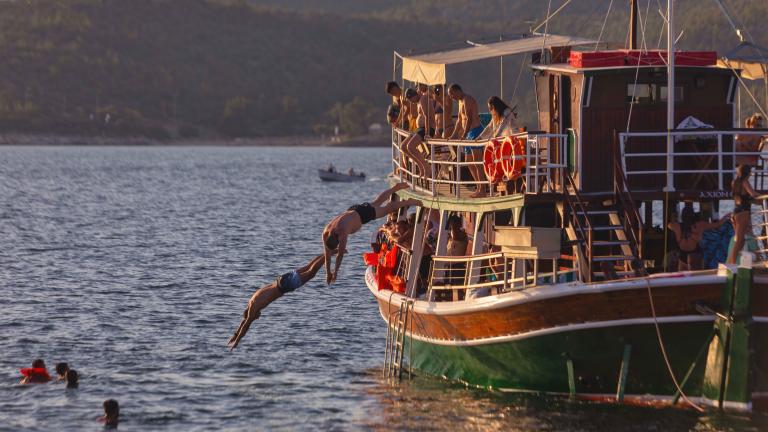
x=39 y=364
x=61 y=369
x=111 y=412
x=72 y=378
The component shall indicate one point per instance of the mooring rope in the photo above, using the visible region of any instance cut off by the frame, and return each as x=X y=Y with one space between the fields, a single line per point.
x=664 y=351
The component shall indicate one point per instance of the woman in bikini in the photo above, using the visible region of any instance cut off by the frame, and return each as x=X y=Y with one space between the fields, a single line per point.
x=688 y=233
x=502 y=119
x=743 y=193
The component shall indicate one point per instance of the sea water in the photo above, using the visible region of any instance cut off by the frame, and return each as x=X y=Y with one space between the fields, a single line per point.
x=134 y=264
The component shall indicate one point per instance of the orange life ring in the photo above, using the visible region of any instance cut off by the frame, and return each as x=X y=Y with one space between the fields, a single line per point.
x=492 y=161
x=513 y=153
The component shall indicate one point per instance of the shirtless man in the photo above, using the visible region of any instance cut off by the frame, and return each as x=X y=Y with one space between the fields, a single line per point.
x=339 y=228
x=443 y=112
x=265 y=295
x=468 y=127
x=425 y=122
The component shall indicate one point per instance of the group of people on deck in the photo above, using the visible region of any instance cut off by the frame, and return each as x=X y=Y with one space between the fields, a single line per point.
x=427 y=112
x=689 y=231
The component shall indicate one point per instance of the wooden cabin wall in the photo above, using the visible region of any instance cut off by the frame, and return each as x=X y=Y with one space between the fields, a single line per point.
x=705 y=97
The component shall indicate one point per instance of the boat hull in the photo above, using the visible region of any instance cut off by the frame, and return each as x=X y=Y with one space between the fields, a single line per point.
x=526 y=341
x=338 y=177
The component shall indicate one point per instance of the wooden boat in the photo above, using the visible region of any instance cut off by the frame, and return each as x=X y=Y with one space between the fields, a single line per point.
x=566 y=287
x=335 y=176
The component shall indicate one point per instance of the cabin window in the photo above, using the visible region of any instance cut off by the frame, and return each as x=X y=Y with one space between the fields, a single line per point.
x=642 y=93
x=678 y=93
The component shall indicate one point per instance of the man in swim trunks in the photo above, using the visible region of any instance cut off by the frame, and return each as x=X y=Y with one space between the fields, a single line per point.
x=468 y=128
x=342 y=226
x=285 y=283
x=425 y=120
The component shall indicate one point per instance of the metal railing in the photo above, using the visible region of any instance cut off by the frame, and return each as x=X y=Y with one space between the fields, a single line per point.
x=717 y=160
x=627 y=210
x=499 y=272
x=579 y=219
x=545 y=156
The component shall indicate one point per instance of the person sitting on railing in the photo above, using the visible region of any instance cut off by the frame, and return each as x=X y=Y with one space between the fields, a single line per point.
x=444 y=123
x=688 y=234
x=502 y=119
x=425 y=122
x=468 y=127
x=750 y=143
x=743 y=193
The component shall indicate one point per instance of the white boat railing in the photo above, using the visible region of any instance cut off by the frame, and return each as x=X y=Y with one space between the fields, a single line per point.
x=714 y=161
x=545 y=156
x=458 y=278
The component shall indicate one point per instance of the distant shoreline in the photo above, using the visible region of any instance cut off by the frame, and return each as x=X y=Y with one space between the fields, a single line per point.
x=22 y=139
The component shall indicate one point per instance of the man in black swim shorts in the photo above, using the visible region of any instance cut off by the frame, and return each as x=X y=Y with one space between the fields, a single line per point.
x=339 y=228
x=285 y=283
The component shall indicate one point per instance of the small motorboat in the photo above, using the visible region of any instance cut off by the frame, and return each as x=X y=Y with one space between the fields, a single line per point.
x=331 y=175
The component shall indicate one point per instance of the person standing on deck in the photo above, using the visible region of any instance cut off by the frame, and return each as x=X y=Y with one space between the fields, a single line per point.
x=425 y=122
x=444 y=123
x=502 y=119
x=265 y=295
x=342 y=226
x=468 y=127
x=750 y=143
x=398 y=112
x=743 y=193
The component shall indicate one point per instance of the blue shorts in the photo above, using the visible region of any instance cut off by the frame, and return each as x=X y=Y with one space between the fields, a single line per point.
x=289 y=282
x=472 y=135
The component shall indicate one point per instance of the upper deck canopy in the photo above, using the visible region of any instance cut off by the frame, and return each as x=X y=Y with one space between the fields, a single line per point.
x=430 y=68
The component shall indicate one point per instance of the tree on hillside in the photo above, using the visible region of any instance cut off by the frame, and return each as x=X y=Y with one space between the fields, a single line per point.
x=353 y=118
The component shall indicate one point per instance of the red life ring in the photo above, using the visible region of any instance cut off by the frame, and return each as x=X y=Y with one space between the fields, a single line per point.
x=513 y=153
x=492 y=161
x=36 y=374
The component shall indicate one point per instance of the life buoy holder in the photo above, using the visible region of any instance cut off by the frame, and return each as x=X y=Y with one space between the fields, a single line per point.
x=512 y=153
x=492 y=164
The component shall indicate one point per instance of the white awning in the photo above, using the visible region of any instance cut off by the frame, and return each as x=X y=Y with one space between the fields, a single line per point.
x=752 y=70
x=430 y=68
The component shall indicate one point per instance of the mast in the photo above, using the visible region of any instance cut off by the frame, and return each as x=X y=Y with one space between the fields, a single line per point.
x=632 y=24
x=670 y=93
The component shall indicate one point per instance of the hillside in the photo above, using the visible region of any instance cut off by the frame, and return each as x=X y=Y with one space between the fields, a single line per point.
x=268 y=67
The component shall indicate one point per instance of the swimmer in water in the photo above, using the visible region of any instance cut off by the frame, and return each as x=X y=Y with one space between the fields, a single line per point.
x=37 y=374
x=111 y=413
x=73 y=378
x=265 y=295
x=61 y=371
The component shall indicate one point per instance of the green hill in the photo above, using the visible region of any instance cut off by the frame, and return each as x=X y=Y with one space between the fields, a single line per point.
x=268 y=67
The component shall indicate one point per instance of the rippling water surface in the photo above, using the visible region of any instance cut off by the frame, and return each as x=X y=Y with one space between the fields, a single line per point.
x=134 y=265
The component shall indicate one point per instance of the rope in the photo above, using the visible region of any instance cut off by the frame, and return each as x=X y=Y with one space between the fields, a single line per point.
x=550 y=16
x=546 y=24
x=600 y=37
x=664 y=351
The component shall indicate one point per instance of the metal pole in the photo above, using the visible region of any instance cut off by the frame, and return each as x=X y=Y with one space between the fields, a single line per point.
x=670 y=94
x=633 y=24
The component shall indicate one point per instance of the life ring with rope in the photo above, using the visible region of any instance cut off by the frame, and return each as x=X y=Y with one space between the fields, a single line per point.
x=512 y=153
x=492 y=164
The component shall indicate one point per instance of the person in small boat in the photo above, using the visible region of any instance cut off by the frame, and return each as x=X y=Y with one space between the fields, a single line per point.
x=61 y=371
x=468 y=127
x=264 y=296
x=73 y=379
x=331 y=168
x=750 y=143
x=743 y=193
x=502 y=119
x=342 y=226
x=444 y=123
x=111 y=415
x=37 y=374
x=688 y=234
x=425 y=122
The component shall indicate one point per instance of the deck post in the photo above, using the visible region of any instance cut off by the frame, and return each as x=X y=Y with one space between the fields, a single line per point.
x=417 y=246
x=726 y=376
x=623 y=372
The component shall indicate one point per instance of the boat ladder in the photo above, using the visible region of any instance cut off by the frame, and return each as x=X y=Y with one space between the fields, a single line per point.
x=397 y=327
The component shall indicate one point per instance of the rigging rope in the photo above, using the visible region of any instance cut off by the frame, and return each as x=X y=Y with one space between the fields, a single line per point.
x=664 y=351
x=600 y=37
x=546 y=24
x=550 y=16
